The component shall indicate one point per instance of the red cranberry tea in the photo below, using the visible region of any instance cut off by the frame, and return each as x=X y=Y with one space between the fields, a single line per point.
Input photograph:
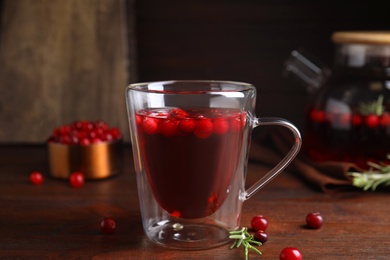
x=190 y=156
x=355 y=136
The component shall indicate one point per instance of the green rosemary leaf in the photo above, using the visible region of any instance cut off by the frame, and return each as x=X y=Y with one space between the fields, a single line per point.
x=370 y=180
x=244 y=238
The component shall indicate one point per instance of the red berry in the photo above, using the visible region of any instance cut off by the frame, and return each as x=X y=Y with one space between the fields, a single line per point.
x=76 y=179
x=101 y=125
x=187 y=126
x=344 y=120
x=150 y=125
x=36 y=178
x=85 y=141
x=356 y=120
x=221 y=126
x=108 y=226
x=167 y=127
x=259 y=222
x=290 y=253
x=115 y=133
x=235 y=124
x=385 y=119
x=371 y=120
x=314 y=220
x=204 y=128
x=317 y=115
x=178 y=113
x=261 y=236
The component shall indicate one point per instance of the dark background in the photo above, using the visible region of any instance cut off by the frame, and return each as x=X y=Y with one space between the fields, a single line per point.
x=66 y=60
x=245 y=40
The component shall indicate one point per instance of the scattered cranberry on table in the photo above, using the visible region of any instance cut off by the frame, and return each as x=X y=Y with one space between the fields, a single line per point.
x=290 y=253
x=76 y=179
x=36 y=178
x=108 y=226
x=314 y=220
x=261 y=236
x=259 y=222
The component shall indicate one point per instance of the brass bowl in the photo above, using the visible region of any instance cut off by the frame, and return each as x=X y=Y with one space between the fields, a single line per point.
x=95 y=161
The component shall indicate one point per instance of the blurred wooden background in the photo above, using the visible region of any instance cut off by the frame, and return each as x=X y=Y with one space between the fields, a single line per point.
x=66 y=60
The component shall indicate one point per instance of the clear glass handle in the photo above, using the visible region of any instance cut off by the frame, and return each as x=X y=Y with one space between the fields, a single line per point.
x=285 y=161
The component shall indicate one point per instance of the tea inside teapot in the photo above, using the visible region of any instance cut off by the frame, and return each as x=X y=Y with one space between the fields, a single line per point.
x=348 y=115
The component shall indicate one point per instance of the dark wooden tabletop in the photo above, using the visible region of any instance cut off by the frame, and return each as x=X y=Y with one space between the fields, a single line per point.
x=56 y=221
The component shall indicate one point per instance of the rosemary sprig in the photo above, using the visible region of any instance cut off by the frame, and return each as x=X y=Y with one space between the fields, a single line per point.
x=376 y=107
x=377 y=175
x=242 y=237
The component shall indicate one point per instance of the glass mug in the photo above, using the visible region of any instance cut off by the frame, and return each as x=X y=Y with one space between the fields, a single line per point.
x=190 y=143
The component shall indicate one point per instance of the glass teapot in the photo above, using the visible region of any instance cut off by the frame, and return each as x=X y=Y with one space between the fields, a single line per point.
x=348 y=114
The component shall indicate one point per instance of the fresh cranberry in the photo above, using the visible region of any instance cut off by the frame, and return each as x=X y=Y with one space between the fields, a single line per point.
x=235 y=124
x=95 y=140
x=115 y=133
x=204 y=128
x=371 y=121
x=314 y=220
x=108 y=226
x=36 y=178
x=385 y=119
x=178 y=113
x=261 y=236
x=76 y=179
x=101 y=125
x=221 y=126
x=187 y=126
x=167 y=127
x=356 y=120
x=150 y=125
x=317 y=115
x=290 y=253
x=344 y=120
x=259 y=222
x=85 y=141
x=106 y=137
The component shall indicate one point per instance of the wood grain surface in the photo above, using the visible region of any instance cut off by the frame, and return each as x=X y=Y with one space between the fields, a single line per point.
x=56 y=221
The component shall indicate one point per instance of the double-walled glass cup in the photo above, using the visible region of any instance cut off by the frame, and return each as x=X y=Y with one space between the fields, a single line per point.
x=190 y=144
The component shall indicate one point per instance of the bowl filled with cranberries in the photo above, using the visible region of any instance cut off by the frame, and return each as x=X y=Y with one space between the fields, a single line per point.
x=90 y=147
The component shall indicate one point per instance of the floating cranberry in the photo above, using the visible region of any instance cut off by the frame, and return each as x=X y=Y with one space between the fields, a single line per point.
x=385 y=119
x=178 y=113
x=187 y=126
x=221 y=126
x=314 y=220
x=259 y=222
x=36 y=178
x=371 y=120
x=356 y=120
x=167 y=127
x=317 y=115
x=290 y=253
x=150 y=125
x=261 y=236
x=76 y=179
x=108 y=226
x=204 y=128
x=235 y=124
x=344 y=120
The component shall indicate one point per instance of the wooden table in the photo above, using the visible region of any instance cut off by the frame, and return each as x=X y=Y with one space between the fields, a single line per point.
x=56 y=221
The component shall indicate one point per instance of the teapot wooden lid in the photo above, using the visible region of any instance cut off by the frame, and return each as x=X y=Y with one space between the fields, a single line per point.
x=361 y=37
